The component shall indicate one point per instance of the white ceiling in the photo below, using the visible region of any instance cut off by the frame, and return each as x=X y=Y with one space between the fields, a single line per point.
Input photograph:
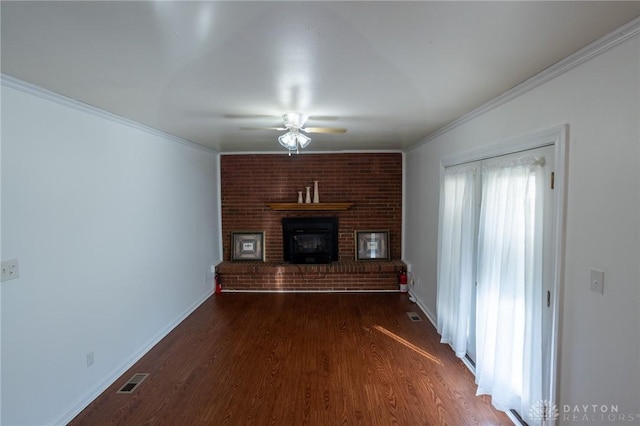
x=390 y=72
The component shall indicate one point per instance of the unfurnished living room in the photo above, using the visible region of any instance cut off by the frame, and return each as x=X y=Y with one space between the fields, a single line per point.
x=320 y=212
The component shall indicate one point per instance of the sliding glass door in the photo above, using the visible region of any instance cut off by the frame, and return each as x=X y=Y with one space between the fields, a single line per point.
x=495 y=274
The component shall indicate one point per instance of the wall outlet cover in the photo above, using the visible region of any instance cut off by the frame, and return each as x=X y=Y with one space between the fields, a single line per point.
x=597 y=281
x=10 y=270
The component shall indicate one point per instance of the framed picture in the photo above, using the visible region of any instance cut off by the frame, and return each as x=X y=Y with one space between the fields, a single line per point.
x=247 y=246
x=371 y=245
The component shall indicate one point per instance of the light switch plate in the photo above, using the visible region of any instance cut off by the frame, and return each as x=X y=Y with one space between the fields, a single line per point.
x=597 y=281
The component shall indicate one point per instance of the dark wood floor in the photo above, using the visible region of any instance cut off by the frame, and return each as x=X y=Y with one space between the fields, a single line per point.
x=295 y=359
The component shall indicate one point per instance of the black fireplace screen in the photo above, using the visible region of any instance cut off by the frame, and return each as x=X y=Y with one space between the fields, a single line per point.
x=310 y=239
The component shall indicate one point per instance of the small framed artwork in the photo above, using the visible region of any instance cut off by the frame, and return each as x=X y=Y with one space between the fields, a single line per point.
x=247 y=246
x=371 y=245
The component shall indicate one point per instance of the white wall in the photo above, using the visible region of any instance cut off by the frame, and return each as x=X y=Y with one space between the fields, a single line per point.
x=115 y=229
x=599 y=334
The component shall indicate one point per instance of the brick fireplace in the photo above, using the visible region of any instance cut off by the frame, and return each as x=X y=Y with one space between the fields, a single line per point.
x=310 y=240
x=369 y=183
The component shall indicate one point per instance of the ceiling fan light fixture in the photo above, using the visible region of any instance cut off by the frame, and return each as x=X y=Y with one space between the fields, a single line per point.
x=293 y=140
x=295 y=136
x=303 y=140
x=294 y=120
x=288 y=140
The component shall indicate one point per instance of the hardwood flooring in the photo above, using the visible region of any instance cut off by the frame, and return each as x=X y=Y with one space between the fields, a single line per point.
x=298 y=359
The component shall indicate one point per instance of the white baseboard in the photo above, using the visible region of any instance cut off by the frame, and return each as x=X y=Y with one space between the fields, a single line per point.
x=92 y=394
x=425 y=310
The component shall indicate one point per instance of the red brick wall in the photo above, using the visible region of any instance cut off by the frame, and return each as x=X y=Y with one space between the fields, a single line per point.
x=372 y=181
x=337 y=276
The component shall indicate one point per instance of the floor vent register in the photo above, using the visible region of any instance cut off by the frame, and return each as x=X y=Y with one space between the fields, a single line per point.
x=133 y=383
x=413 y=316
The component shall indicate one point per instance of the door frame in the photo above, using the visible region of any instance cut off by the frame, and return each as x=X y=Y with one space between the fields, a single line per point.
x=558 y=137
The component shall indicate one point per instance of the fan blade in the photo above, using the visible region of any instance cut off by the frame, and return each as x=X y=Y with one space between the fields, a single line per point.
x=253 y=116
x=323 y=130
x=323 y=117
x=263 y=128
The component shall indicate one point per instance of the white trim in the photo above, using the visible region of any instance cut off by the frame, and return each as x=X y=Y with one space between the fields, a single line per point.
x=219 y=207
x=92 y=394
x=346 y=151
x=426 y=311
x=560 y=185
x=523 y=143
x=609 y=41
x=14 y=83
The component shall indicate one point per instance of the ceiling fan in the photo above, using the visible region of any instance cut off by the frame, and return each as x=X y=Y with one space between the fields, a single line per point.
x=295 y=137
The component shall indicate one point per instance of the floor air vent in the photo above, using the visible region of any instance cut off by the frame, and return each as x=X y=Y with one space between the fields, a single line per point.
x=414 y=316
x=133 y=383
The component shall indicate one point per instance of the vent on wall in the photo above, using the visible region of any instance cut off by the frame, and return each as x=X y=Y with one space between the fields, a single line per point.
x=133 y=383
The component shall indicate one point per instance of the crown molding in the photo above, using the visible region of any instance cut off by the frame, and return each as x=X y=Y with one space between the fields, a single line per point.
x=32 y=89
x=609 y=41
x=304 y=152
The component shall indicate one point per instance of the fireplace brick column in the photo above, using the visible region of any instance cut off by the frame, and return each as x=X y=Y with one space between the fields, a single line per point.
x=371 y=181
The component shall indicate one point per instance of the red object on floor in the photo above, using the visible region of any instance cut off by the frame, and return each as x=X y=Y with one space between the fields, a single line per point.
x=218 y=284
x=402 y=281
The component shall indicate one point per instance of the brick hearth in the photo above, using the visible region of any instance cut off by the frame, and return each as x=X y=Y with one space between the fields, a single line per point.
x=337 y=276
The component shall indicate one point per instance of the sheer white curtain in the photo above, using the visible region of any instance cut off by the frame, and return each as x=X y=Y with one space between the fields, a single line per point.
x=509 y=292
x=456 y=262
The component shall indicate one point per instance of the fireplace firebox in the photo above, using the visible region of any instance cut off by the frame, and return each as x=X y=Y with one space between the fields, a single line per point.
x=310 y=239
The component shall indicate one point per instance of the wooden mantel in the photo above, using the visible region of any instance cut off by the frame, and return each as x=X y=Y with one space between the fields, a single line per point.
x=310 y=206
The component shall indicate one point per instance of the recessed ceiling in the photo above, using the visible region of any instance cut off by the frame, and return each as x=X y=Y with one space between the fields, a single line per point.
x=389 y=72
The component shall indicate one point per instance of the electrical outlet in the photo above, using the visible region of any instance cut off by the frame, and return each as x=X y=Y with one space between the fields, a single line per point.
x=90 y=359
x=415 y=280
x=10 y=269
x=597 y=281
